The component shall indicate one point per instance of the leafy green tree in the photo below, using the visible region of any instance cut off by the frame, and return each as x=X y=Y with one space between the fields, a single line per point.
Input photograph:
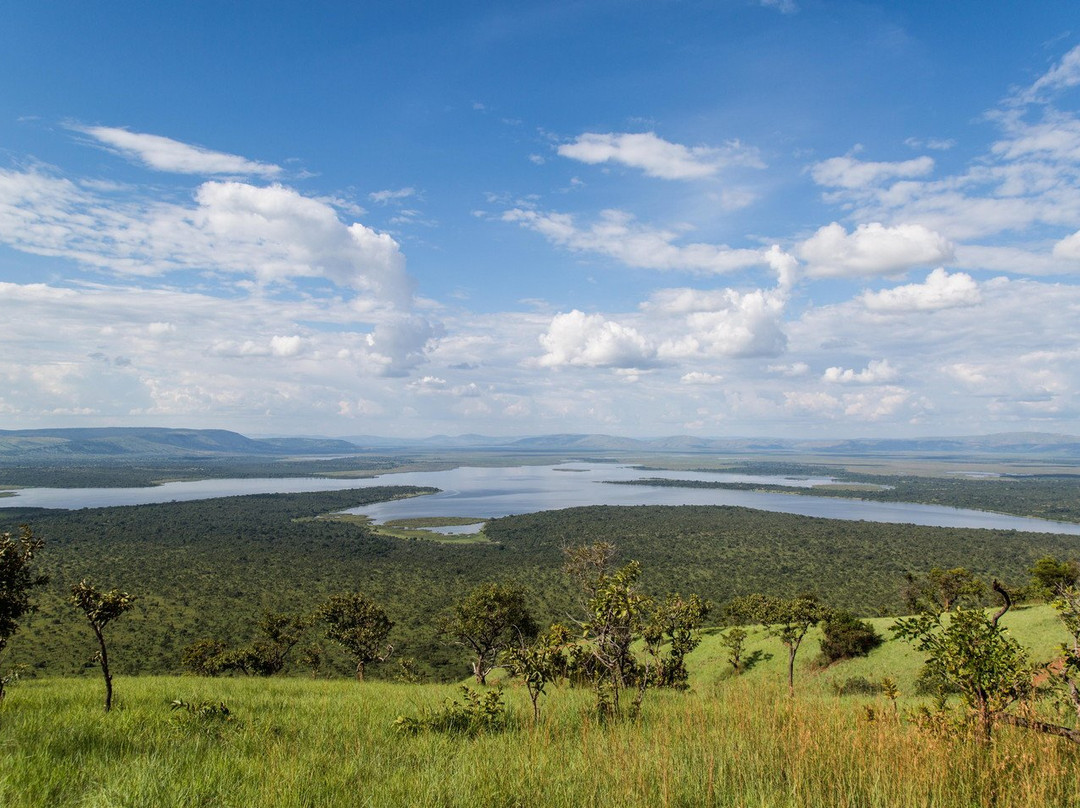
x=734 y=640
x=971 y=652
x=279 y=634
x=360 y=626
x=206 y=657
x=100 y=609
x=787 y=619
x=18 y=579
x=487 y=622
x=540 y=662
x=674 y=621
x=942 y=590
x=1049 y=577
x=845 y=636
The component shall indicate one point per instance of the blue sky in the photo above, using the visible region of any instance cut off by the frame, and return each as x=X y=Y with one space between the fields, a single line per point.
x=738 y=217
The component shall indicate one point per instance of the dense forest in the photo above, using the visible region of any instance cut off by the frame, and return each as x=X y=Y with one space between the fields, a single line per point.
x=1045 y=496
x=207 y=569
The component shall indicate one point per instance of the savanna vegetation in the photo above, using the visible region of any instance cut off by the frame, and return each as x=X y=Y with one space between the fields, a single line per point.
x=691 y=656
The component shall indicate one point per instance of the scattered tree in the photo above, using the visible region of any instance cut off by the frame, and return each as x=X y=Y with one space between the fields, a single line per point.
x=1050 y=577
x=970 y=651
x=205 y=657
x=734 y=640
x=100 y=609
x=490 y=618
x=787 y=619
x=675 y=621
x=540 y=662
x=360 y=626
x=311 y=657
x=942 y=590
x=844 y=636
x=18 y=579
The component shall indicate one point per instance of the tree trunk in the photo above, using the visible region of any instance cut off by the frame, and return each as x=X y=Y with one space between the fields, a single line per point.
x=360 y=671
x=791 y=670
x=1039 y=726
x=103 y=658
x=479 y=672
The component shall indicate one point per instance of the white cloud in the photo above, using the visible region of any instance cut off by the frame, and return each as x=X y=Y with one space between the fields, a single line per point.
x=658 y=157
x=1068 y=248
x=617 y=235
x=588 y=340
x=847 y=172
x=1063 y=75
x=783 y=6
x=286 y=346
x=872 y=249
x=940 y=291
x=272 y=234
x=877 y=371
x=165 y=154
x=795 y=369
x=383 y=197
x=698 y=377
x=723 y=323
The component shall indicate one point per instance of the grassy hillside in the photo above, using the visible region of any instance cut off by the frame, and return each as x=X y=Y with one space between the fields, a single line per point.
x=730 y=741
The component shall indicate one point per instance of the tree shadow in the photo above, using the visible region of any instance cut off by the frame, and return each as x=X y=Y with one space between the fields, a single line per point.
x=750 y=660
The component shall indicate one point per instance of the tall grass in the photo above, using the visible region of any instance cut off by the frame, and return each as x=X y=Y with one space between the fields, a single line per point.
x=331 y=743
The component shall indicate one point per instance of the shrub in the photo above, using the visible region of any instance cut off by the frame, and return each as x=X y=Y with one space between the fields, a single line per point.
x=845 y=637
x=476 y=713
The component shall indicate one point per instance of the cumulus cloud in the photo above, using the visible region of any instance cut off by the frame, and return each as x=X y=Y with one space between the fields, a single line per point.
x=848 y=172
x=877 y=371
x=618 y=235
x=1068 y=248
x=872 y=249
x=940 y=291
x=723 y=322
x=165 y=154
x=268 y=233
x=658 y=157
x=589 y=340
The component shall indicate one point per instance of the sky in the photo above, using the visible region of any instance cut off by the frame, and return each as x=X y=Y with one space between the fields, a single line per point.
x=789 y=218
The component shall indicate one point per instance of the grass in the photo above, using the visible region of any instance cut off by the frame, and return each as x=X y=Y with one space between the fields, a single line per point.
x=730 y=741
x=416 y=528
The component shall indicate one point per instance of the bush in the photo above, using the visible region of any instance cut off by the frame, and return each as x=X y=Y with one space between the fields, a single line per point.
x=857 y=686
x=845 y=637
x=476 y=713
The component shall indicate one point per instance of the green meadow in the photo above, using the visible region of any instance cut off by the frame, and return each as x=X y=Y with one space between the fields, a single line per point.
x=729 y=741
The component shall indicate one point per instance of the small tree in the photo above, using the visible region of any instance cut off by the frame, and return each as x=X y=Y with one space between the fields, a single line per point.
x=675 y=621
x=279 y=634
x=787 y=619
x=18 y=579
x=487 y=622
x=1050 y=577
x=100 y=609
x=942 y=590
x=971 y=652
x=734 y=640
x=540 y=662
x=360 y=626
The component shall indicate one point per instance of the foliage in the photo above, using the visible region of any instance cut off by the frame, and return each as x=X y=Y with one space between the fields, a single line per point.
x=674 y=621
x=845 y=637
x=206 y=657
x=734 y=640
x=475 y=714
x=942 y=590
x=359 y=625
x=857 y=686
x=540 y=662
x=487 y=622
x=1049 y=576
x=101 y=608
x=18 y=580
x=969 y=650
x=787 y=619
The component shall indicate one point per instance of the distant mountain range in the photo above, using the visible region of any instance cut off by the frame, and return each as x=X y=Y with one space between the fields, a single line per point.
x=129 y=442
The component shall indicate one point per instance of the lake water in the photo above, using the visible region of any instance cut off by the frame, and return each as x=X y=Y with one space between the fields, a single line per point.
x=491 y=492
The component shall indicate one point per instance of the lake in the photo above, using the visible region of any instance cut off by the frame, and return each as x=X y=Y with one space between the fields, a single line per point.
x=491 y=492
